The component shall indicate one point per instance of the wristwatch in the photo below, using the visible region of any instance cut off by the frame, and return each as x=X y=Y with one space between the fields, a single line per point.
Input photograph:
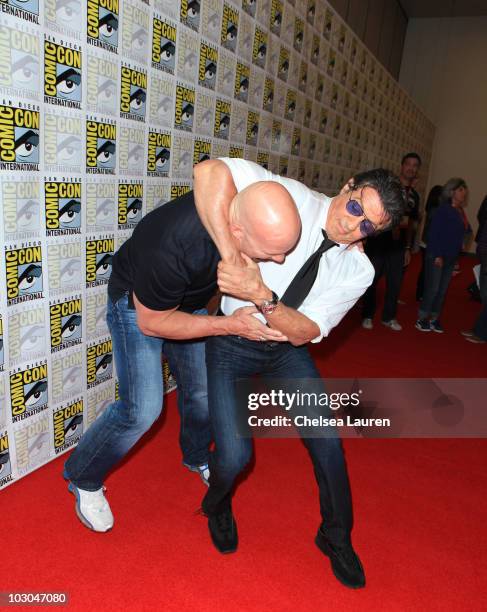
x=267 y=307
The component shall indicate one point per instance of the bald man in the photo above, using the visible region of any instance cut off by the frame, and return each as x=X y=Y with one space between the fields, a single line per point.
x=162 y=278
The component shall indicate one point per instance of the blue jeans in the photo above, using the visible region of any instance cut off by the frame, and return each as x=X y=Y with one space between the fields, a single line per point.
x=138 y=364
x=229 y=358
x=436 y=282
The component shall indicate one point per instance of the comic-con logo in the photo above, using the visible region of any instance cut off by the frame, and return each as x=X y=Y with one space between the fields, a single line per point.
x=207 y=65
x=283 y=66
x=290 y=107
x=20 y=65
x=28 y=392
x=190 y=14
x=65 y=324
x=19 y=138
x=32 y=443
x=26 y=335
x=159 y=154
x=296 y=141
x=62 y=75
x=133 y=94
x=179 y=189
x=259 y=48
x=276 y=17
x=26 y=9
x=20 y=209
x=268 y=97
x=222 y=118
x=100 y=206
x=252 y=128
x=184 y=109
x=163 y=45
x=68 y=425
x=64 y=16
x=23 y=269
x=101 y=147
x=101 y=90
x=62 y=208
x=242 y=78
x=135 y=33
x=201 y=150
x=102 y=24
x=2 y=352
x=263 y=159
x=130 y=198
x=99 y=255
x=97 y=402
x=229 y=29
x=236 y=152
x=298 y=34
x=249 y=7
x=98 y=363
x=5 y=463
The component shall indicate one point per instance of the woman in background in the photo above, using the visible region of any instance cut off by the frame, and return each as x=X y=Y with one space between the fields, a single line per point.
x=444 y=243
x=432 y=204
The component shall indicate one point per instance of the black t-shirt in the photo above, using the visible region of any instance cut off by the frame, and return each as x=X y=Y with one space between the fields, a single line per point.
x=169 y=261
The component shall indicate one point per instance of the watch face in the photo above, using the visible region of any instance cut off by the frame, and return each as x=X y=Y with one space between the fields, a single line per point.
x=268 y=308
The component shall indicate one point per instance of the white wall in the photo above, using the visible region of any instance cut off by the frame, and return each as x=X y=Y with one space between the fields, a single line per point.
x=444 y=69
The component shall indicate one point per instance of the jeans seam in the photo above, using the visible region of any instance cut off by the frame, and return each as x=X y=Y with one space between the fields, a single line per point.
x=109 y=429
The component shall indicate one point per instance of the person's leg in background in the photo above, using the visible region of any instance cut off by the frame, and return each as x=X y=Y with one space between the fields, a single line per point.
x=326 y=453
x=138 y=365
x=478 y=334
x=187 y=363
x=420 y=281
x=437 y=306
x=394 y=271
x=432 y=277
x=369 y=300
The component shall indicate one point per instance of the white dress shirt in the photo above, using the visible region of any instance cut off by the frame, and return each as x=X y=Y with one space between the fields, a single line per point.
x=344 y=273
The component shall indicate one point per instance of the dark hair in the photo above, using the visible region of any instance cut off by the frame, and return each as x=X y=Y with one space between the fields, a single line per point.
x=390 y=189
x=413 y=156
x=434 y=198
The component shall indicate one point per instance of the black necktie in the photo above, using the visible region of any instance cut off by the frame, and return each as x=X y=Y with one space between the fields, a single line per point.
x=301 y=284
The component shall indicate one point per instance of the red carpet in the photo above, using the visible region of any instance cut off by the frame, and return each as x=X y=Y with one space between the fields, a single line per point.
x=420 y=507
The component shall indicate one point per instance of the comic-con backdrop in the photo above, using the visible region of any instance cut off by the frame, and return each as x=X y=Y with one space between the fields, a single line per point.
x=105 y=105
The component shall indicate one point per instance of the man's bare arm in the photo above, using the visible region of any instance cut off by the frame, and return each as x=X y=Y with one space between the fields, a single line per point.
x=214 y=189
x=175 y=325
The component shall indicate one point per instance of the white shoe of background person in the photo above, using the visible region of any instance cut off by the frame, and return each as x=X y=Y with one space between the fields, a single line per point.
x=392 y=324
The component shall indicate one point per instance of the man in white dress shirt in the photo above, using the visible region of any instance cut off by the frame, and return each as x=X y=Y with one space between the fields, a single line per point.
x=371 y=202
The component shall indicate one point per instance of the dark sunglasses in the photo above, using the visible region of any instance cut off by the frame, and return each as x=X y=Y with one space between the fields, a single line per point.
x=367 y=228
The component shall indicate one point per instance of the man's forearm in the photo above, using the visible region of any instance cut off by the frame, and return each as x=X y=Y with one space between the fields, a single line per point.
x=298 y=328
x=214 y=189
x=183 y=326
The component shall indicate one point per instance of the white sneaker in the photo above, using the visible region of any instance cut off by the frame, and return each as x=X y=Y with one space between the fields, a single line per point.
x=203 y=470
x=92 y=508
x=392 y=324
x=367 y=324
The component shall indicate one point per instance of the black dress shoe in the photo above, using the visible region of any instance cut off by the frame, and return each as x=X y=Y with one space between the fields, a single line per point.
x=223 y=531
x=344 y=562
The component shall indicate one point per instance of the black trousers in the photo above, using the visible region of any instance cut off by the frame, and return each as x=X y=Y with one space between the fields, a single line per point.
x=391 y=264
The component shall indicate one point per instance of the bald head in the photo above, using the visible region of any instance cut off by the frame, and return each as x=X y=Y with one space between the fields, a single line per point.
x=264 y=221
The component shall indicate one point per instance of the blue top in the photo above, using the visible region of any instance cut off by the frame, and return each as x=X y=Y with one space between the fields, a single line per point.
x=446 y=232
